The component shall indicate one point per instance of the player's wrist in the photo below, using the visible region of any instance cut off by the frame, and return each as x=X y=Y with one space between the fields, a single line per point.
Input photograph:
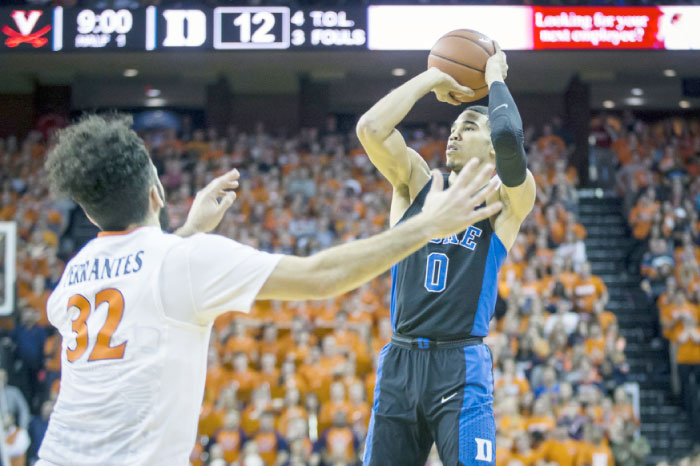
x=433 y=78
x=186 y=230
x=494 y=79
x=426 y=225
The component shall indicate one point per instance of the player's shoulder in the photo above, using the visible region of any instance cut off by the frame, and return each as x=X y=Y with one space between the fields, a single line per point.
x=209 y=241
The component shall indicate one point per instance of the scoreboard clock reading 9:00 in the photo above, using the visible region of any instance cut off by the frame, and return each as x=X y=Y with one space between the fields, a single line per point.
x=102 y=29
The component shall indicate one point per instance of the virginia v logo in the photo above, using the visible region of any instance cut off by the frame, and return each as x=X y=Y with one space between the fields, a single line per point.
x=484 y=450
x=25 y=22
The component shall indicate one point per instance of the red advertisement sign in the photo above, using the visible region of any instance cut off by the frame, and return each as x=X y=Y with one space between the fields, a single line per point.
x=593 y=27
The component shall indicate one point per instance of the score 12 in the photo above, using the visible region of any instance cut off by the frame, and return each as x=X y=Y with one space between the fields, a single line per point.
x=251 y=28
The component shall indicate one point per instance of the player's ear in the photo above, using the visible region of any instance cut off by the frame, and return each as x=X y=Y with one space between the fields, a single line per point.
x=154 y=199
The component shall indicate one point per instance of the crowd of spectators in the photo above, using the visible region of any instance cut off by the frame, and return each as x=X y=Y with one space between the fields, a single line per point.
x=292 y=383
x=659 y=164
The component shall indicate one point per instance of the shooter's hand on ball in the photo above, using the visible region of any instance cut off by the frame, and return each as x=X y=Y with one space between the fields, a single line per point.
x=447 y=89
x=496 y=67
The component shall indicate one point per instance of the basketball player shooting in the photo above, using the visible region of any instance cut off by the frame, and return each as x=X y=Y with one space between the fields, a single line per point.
x=434 y=379
x=135 y=306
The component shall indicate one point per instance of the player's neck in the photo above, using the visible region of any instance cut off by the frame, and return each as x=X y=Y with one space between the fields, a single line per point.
x=150 y=221
x=453 y=176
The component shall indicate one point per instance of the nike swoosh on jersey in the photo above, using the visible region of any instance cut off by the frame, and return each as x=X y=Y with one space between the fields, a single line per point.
x=448 y=398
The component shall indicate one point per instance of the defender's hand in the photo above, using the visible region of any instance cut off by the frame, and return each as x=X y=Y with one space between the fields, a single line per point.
x=210 y=204
x=447 y=89
x=496 y=66
x=454 y=209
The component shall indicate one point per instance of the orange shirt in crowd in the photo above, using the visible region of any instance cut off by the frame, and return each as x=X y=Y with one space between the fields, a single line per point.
x=558 y=231
x=509 y=423
x=503 y=456
x=640 y=218
x=289 y=413
x=688 y=352
x=217 y=378
x=670 y=313
x=587 y=291
x=317 y=379
x=540 y=424
x=329 y=410
x=245 y=381
x=340 y=443
x=595 y=349
x=268 y=444
x=231 y=442
x=359 y=412
x=240 y=344
x=562 y=453
x=569 y=280
x=210 y=419
x=606 y=319
x=590 y=455
x=527 y=459
x=270 y=378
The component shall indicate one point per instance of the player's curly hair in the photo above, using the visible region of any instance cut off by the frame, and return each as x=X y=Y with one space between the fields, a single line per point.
x=103 y=165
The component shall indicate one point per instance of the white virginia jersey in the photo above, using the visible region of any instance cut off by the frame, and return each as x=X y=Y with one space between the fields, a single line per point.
x=135 y=311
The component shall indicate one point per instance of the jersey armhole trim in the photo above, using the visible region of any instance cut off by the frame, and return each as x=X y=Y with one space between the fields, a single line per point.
x=500 y=243
x=159 y=300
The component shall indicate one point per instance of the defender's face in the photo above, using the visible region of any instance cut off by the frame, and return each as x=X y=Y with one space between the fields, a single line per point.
x=470 y=137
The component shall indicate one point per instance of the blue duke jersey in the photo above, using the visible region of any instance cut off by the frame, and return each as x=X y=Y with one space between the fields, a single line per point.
x=447 y=289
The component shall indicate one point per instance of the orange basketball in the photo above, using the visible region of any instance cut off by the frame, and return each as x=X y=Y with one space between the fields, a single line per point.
x=462 y=54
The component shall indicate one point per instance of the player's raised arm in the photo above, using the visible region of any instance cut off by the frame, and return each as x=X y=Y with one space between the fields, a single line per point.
x=507 y=136
x=210 y=204
x=342 y=268
x=386 y=148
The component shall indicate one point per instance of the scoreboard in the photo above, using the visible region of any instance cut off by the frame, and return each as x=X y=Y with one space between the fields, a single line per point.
x=153 y=28
x=374 y=27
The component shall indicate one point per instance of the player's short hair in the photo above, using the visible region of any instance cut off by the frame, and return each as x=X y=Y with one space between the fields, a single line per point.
x=478 y=109
x=103 y=165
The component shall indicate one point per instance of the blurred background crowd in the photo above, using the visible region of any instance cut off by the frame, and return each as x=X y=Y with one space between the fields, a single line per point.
x=292 y=383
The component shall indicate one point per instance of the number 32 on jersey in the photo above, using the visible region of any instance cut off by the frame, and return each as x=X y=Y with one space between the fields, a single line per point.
x=115 y=311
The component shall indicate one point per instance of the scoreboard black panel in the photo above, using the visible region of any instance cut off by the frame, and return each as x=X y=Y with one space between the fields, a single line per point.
x=154 y=28
x=103 y=29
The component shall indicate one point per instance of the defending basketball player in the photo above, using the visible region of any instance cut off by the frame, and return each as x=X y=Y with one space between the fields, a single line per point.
x=434 y=380
x=135 y=306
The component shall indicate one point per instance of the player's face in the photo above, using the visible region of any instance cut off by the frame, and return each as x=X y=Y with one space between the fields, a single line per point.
x=470 y=137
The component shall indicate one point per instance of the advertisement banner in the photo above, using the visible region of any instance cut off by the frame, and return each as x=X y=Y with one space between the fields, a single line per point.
x=593 y=27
